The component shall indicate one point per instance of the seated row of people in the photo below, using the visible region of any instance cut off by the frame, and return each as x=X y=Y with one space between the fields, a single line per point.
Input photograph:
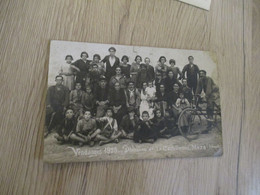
x=103 y=130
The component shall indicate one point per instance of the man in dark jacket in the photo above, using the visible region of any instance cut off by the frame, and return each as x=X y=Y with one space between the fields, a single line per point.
x=150 y=70
x=111 y=62
x=211 y=91
x=57 y=100
x=132 y=96
x=192 y=74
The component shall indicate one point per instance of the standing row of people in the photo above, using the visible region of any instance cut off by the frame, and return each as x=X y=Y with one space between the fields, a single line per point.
x=88 y=72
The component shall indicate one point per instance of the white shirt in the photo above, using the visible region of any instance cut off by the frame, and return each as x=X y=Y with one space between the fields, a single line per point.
x=182 y=103
x=112 y=60
x=150 y=91
x=110 y=120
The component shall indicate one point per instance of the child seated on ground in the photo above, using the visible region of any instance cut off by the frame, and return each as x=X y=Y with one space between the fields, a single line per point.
x=86 y=130
x=67 y=127
x=171 y=128
x=109 y=129
x=145 y=131
x=159 y=124
x=129 y=123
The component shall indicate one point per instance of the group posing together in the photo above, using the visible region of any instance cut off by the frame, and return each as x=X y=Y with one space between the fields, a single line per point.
x=105 y=100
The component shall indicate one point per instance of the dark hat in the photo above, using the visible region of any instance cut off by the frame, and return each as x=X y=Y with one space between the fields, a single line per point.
x=130 y=82
x=69 y=108
x=88 y=110
x=94 y=64
x=102 y=78
x=59 y=76
x=130 y=109
x=204 y=71
x=112 y=48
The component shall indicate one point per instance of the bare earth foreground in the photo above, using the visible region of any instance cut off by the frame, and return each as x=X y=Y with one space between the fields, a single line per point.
x=176 y=147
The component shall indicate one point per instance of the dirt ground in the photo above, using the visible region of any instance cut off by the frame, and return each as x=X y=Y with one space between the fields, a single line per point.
x=175 y=147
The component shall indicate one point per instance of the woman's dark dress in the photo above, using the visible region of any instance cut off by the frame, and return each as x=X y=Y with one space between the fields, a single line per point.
x=126 y=70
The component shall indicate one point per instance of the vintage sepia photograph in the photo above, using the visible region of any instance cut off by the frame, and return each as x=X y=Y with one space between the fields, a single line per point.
x=119 y=102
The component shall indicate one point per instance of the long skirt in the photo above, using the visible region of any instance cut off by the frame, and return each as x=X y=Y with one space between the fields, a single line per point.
x=69 y=82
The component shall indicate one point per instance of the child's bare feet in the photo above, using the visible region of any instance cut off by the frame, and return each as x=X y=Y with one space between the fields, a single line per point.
x=166 y=136
x=150 y=141
x=91 y=143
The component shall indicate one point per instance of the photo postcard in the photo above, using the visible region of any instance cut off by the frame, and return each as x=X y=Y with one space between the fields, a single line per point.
x=118 y=102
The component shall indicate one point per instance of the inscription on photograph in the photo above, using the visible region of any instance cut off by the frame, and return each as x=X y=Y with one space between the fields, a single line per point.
x=117 y=102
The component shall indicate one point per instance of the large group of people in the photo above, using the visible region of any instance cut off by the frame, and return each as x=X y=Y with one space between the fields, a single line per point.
x=103 y=101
